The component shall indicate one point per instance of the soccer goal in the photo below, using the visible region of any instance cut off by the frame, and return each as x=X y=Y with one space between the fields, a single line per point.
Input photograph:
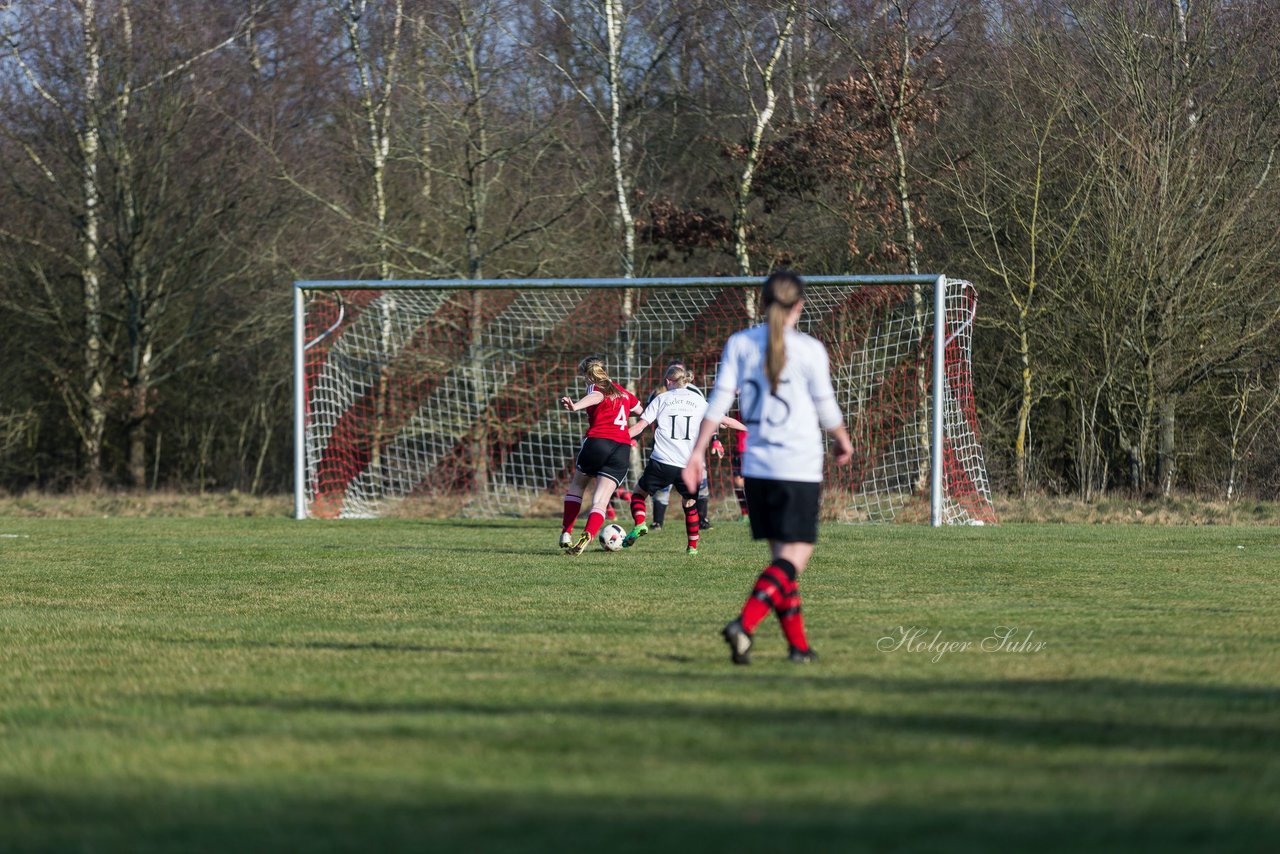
x=440 y=397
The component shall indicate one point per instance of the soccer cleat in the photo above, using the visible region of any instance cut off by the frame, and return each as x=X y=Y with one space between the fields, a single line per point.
x=655 y=526
x=580 y=546
x=739 y=641
x=691 y=550
x=802 y=656
x=566 y=539
x=636 y=533
x=705 y=525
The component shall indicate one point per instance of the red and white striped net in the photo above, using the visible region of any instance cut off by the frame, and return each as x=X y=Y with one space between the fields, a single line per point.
x=446 y=400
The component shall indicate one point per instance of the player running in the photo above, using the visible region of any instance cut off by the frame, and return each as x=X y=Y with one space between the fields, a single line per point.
x=605 y=454
x=662 y=496
x=673 y=414
x=783 y=379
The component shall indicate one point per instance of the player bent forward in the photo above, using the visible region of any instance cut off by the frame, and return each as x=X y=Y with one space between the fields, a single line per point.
x=605 y=454
x=786 y=399
x=673 y=415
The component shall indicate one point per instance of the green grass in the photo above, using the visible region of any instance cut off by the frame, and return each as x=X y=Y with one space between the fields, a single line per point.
x=263 y=684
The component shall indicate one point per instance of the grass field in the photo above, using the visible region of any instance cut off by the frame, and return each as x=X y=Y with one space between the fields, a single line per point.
x=264 y=684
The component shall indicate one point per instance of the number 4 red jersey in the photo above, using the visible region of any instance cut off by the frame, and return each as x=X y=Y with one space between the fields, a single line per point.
x=609 y=416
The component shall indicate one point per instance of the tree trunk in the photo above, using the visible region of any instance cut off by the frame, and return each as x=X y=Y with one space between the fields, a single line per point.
x=139 y=415
x=1024 y=412
x=90 y=140
x=741 y=252
x=1165 y=456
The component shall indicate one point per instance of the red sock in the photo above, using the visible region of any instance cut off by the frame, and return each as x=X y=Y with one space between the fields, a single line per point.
x=595 y=522
x=767 y=594
x=637 y=508
x=692 y=526
x=790 y=617
x=572 y=505
x=609 y=512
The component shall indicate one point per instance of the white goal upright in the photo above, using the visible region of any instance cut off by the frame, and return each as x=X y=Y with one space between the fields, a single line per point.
x=441 y=396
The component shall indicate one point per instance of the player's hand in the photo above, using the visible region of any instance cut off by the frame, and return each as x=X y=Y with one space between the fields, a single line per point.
x=693 y=473
x=844 y=450
x=717 y=448
x=566 y=403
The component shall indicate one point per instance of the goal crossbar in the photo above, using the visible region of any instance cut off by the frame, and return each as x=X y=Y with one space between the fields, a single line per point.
x=938 y=284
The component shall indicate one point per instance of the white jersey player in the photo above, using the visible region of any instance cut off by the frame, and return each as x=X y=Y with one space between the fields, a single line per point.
x=783 y=382
x=677 y=415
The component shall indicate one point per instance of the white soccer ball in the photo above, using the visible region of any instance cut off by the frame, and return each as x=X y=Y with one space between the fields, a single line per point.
x=611 y=537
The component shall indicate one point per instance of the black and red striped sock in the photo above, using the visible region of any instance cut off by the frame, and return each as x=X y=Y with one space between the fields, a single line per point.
x=740 y=493
x=572 y=506
x=768 y=593
x=692 y=527
x=637 y=508
x=790 y=617
x=595 y=522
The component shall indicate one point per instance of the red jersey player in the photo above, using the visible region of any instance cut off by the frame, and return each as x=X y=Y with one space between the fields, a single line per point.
x=605 y=455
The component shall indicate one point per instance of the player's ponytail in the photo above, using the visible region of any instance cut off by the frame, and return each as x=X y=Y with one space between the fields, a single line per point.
x=592 y=368
x=679 y=376
x=782 y=291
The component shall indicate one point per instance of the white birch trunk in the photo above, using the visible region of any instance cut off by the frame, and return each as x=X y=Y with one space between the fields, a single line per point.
x=90 y=143
x=763 y=116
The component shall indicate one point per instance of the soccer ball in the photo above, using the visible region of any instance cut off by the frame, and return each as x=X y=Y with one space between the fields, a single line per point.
x=611 y=537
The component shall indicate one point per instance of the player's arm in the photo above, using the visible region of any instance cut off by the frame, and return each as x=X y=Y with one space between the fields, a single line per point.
x=829 y=414
x=733 y=424
x=637 y=428
x=591 y=399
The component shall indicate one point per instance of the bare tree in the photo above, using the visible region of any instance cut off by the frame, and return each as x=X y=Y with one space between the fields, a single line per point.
x=757 y=78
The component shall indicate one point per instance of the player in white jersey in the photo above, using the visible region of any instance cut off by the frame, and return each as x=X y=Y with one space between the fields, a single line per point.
x=676 y=415
x=783 y=380
x=663 y=496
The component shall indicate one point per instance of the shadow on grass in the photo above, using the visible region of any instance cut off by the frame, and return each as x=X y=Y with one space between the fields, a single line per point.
x=420 y=817
x=1006 y=722
x=1100 y=688
x=340 y=646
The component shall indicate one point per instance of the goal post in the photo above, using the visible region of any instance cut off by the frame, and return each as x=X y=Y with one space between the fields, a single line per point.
x=439 y=396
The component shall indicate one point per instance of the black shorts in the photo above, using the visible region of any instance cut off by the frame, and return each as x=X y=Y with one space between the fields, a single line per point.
x=604 y=458
x=783 y=510
x=658 y=476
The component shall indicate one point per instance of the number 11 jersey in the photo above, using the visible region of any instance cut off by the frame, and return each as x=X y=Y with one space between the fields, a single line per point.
x=676 y=416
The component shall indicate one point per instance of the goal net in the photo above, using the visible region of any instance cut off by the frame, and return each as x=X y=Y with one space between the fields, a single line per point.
x=441 y=397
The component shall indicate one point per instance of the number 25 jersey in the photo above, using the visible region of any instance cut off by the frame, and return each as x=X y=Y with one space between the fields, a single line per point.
x=784 y=428
x=676 y=416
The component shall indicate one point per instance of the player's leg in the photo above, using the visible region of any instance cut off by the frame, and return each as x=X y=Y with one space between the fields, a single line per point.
x=795 y=555
x=604 y=490
x=692 y=524
x=572 y=506
x=704 y=498
x=609 y=462
x=639 y=529
x=692 y=520
x=787 y=516
x=651 y=481
x=660 y=499
x=740 y=493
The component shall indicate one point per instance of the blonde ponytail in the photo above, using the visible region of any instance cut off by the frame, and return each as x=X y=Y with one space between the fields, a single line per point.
x=679 y=375
x=592 y=368
x=782 y=291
